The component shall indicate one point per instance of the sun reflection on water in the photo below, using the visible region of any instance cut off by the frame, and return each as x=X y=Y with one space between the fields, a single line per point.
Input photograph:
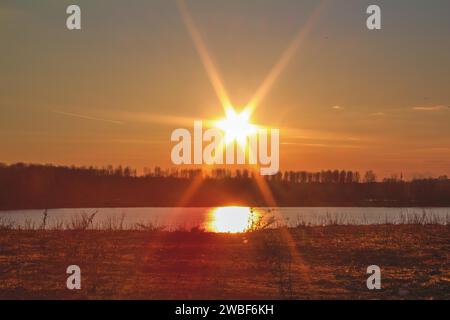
x=231 y=219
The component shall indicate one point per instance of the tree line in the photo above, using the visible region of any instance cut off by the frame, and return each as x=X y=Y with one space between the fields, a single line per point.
x=26 y=186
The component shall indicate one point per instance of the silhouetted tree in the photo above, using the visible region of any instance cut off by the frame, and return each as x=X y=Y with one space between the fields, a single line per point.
x=369 y=177
x=46 y=186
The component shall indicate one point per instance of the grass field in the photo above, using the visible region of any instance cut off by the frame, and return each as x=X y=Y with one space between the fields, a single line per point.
x=287 y=263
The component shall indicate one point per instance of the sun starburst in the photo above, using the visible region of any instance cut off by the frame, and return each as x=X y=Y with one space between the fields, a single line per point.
x=236 y=126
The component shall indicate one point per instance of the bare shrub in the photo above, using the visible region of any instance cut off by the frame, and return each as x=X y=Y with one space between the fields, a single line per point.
x=83 y=221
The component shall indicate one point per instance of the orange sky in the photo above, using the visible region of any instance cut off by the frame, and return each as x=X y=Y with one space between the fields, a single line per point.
x=343 y=97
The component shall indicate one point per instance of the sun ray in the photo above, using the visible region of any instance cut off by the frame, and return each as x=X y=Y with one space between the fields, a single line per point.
x=190 y=191
x=271 y=77
x=287 y=237
x=284 y=59
x=207 y=61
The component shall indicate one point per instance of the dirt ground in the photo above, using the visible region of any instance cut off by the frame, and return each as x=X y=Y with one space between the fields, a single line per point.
x=299 y=263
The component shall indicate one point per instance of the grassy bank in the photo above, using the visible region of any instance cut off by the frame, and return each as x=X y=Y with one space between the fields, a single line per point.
x=296 y=263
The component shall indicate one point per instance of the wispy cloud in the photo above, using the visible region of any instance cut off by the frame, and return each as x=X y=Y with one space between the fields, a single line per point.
x=337 y=108
x=322 y=145
x=87 y=117
x=432 y=108
x=377 y=114
x=161 y=119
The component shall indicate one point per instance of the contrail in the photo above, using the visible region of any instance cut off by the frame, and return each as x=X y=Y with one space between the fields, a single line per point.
x=82 y=116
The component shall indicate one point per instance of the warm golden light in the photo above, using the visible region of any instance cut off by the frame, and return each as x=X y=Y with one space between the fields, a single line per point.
x=230 y=219
x=236 y=126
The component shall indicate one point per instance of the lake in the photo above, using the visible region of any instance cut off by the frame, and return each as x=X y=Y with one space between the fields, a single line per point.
x=221 y=219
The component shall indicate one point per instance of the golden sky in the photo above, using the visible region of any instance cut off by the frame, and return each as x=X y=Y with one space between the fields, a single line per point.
x=112 y=93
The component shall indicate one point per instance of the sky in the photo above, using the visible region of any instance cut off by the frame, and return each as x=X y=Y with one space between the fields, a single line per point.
x=112 y=92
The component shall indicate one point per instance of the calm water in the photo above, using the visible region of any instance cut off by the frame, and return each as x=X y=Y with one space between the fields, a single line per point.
x=223 y=219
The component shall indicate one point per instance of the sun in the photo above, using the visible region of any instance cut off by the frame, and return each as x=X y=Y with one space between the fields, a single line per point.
x=236 y=126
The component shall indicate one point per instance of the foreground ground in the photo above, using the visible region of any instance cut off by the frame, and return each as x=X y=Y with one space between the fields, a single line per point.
x=300 y=263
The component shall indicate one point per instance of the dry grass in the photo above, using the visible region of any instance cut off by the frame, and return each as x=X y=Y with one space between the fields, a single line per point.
x=284 y=263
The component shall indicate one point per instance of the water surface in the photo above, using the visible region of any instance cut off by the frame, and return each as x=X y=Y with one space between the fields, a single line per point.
x=222 y=219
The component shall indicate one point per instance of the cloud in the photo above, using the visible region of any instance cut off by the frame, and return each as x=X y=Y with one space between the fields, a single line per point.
x=432 y=108
x=337 y=108
x=377 y=114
